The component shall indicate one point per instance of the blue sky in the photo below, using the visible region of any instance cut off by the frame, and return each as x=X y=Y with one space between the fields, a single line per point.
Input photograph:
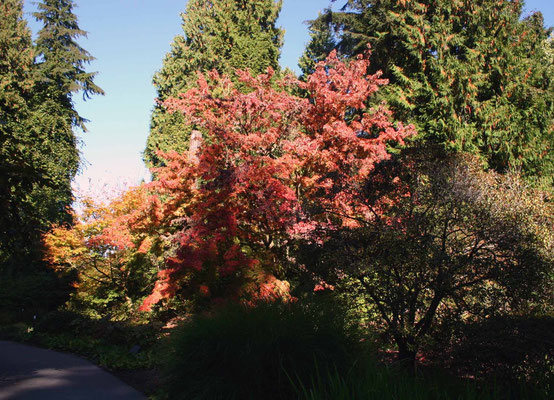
x=129 y=39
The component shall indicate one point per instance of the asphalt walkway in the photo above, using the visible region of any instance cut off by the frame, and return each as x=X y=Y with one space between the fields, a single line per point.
x=30 y=373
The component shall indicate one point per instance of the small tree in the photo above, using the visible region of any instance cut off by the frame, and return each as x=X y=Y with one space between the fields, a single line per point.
x=447 y=240
x=273 y=166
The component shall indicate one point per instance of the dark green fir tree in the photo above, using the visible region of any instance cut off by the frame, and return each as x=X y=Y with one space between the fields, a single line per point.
x=24 y=167
x=217 y=34
x=20 y=166
x=38 y=146
x=60 y=74
x=60 y=60
x=473 y=76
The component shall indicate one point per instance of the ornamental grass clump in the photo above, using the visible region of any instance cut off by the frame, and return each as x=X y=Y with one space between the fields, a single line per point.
x=263 y=352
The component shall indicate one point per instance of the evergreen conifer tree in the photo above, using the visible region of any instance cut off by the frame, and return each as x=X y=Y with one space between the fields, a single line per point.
x=25 y=167
x=38 y=153
x=217 y=34
x=61 y=60
x=59 y=74
x=470 y=75
x=20 y=166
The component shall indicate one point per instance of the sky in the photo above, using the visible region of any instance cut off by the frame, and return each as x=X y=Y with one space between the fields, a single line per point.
x=129 y=39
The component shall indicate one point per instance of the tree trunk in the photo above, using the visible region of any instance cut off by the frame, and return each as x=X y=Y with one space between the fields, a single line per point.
x=407 y=353
x=194 y=146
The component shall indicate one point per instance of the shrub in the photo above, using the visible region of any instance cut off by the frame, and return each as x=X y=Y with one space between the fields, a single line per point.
x=59 y=321
x=512 y=349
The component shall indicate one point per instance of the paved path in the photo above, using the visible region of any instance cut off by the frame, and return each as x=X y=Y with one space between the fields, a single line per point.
x=30 y=373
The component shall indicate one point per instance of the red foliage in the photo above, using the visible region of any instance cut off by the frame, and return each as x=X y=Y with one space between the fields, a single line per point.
x=273 y=165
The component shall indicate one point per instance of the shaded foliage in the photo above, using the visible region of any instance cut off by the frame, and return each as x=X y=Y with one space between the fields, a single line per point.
x=509 y=349
x=448 y=240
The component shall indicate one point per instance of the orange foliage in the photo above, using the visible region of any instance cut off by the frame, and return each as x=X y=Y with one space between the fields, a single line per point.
x=105 y=239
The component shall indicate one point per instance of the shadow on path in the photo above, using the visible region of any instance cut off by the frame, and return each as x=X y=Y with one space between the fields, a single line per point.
x=30 y=373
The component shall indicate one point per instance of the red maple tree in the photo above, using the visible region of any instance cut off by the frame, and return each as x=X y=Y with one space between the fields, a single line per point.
x=273 y=164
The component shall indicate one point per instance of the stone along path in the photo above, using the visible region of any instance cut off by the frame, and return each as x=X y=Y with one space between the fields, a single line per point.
x=30 y=373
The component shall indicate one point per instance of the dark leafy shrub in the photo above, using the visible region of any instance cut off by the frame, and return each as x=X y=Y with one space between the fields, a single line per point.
x=508 y=349
x=124 y=332
x=35 y=294
x=257 y=353
x=59 y=321
x=450 y=240
x=118 y=345
x=17 y=332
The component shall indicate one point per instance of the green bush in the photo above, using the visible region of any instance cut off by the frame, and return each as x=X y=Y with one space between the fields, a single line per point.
x=24 y=296
x=101 y=352
x=59 y=321
x=258 y=353
x=18 y=332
